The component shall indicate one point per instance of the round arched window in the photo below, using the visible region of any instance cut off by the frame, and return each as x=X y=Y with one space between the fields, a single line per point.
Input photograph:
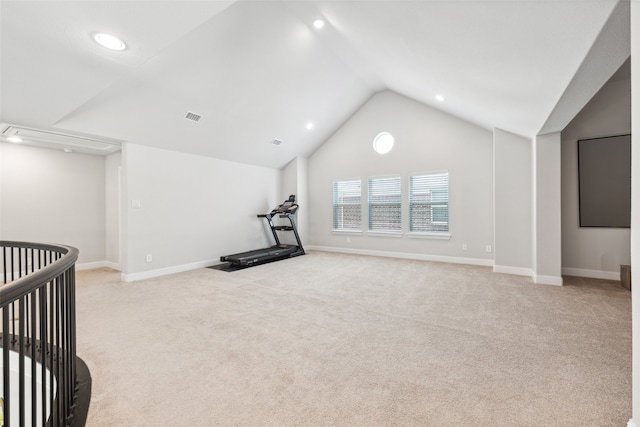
x=383 y=142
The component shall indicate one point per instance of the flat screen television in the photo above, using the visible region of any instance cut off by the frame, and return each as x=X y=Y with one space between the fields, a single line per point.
x=604 y=180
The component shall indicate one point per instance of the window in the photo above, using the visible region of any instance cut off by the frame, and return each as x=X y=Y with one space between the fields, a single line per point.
x=383 y=142
x=385 y=199
x=347 y=209
x=429 y=203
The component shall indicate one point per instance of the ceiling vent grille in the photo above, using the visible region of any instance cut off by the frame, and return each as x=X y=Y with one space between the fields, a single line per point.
x=193 y=116
x=276 y=141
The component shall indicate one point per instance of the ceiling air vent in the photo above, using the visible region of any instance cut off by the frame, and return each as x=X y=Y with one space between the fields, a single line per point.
x=276 y=141
x=193 y=116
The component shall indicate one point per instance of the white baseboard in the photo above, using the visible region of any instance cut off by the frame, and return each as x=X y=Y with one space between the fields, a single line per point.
x=547 y=280
x=595 y=274
x=112 y=265
x=97 y=264
x=554 y=280
x=168 y=270
x=403 y=255
x=631 y=423
x=519 y=271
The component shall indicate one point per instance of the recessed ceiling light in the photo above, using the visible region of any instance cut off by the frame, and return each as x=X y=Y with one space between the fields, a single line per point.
x=109 y=41
x=440 y=98
x=309 y=126
x=318 y=23
x=14 y=138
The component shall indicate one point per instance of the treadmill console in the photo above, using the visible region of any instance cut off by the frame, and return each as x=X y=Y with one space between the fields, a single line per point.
x=288 y=207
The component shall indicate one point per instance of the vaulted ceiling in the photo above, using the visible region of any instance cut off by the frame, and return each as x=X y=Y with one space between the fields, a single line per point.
x=260 y=70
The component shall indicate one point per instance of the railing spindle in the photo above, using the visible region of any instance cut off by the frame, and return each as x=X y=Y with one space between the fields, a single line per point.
x=43 y=349
x=21 y=368
x=34 y=378
x=6 y=367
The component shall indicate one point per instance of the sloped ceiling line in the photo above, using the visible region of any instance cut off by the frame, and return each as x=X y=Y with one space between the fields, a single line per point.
x=608 y=53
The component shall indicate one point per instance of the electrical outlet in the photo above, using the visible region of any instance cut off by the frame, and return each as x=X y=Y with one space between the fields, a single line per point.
x=149 y=258
x=136 y=204
x=464 y=247
x=488 y=248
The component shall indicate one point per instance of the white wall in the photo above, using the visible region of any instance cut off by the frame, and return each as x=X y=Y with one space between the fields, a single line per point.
x=593 y=252
x=112 y=209
x=547 y=218
x=635 y=208
x=294 y=181
x=512 y=203
x=302 y=217
x=426 y=140
x=49 y=196
x=288 y=186
x=289 y=183
x=193 y=209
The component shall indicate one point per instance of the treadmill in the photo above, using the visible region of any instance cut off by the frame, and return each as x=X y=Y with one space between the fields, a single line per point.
x=279 y=250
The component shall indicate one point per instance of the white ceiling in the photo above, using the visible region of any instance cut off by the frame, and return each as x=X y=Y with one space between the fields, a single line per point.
x=259 y=70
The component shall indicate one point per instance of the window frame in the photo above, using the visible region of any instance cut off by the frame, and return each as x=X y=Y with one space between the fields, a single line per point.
x=396 y=232
x=413 y=229
x=335 y=205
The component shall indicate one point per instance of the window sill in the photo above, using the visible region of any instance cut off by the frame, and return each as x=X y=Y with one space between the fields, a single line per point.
x=346 y=232
x=434 y=236
x=384 y=233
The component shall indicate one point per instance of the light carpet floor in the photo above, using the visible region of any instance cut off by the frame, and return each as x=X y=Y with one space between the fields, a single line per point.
x=346 y=340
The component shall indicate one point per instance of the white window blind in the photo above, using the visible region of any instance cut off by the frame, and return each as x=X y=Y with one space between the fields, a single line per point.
x=347 y=204
x=385 y=200
x=429 y=202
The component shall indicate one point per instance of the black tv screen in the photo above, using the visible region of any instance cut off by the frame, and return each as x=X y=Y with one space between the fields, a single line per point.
x=604 y=170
